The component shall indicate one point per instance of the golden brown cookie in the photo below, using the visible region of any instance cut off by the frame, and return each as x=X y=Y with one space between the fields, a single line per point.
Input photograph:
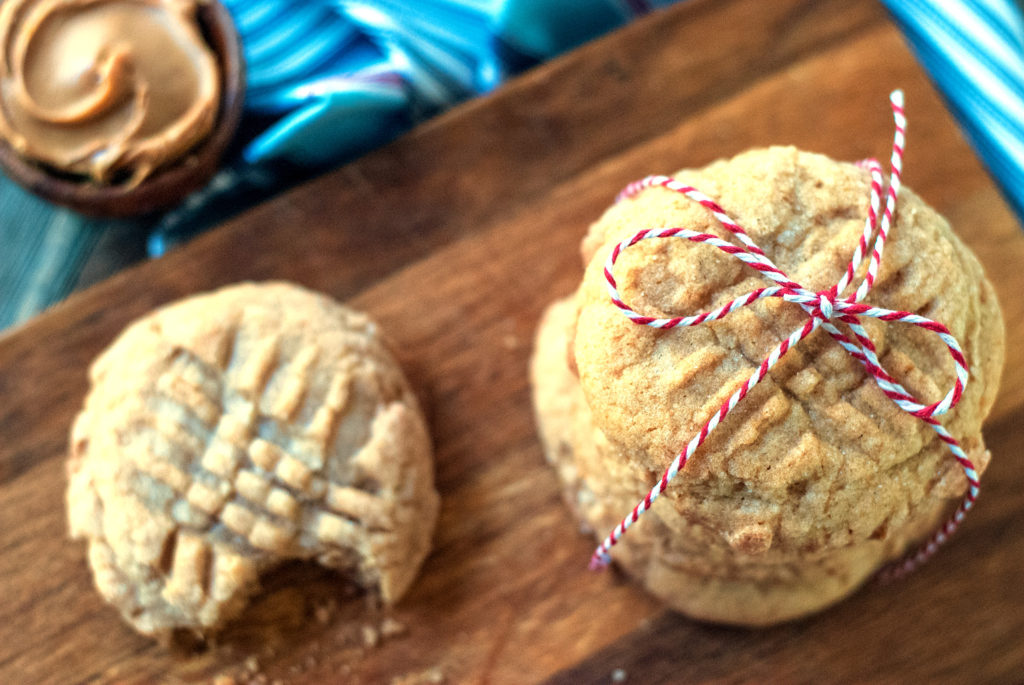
x=816 y=478
x=231 y=431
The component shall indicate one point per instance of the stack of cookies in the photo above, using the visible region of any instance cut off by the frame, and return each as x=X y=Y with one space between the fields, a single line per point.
x=816 y=479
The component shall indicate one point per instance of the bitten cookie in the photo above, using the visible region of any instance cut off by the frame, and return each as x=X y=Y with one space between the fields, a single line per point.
x=231 y=431
x=816 y=479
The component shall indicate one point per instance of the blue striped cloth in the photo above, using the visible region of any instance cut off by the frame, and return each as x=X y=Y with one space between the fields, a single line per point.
x=331 y=79
x=974 y=52
x=339 y=77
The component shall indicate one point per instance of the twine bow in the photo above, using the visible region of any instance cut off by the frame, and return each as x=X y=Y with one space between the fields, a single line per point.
x=824 y=308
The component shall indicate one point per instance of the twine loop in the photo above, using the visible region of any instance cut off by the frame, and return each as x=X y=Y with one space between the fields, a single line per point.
x=824 y=305
x=825 y=309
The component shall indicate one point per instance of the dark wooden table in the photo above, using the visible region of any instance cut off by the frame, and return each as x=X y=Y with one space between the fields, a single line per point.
x=455 y=238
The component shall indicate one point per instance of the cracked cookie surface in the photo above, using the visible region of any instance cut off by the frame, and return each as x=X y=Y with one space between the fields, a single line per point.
x=816 y=478
x=231 y=431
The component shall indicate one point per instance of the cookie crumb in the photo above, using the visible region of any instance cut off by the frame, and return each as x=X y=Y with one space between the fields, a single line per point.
x=323 y=613
x=389 y=628
x=223 y=679
x=252 y=664
x=371 y=636
x=431 y=676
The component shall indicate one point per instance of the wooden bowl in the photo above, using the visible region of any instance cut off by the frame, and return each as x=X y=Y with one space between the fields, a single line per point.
x=170 y=184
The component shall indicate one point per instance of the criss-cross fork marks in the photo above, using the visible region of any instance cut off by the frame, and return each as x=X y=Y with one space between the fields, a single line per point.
x=240 y=477
x=824 y=309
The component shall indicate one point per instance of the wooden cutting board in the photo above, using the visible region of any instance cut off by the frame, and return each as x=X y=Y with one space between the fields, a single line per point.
x=455 y=238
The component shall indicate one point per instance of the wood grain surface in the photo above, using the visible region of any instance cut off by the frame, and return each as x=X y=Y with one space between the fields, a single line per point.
x=455 y=238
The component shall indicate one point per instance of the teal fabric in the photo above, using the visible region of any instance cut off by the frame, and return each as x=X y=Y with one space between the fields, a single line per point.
x=544 y=28
x=44 y=251
x=340 y=125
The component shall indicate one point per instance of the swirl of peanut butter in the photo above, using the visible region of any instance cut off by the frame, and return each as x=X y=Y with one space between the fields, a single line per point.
x=107 y=89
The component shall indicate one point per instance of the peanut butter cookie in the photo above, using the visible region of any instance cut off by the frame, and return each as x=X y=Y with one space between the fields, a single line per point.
x=816 y=479
x=230 y=431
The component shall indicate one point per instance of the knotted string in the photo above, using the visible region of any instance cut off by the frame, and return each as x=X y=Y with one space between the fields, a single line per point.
x=823 y=308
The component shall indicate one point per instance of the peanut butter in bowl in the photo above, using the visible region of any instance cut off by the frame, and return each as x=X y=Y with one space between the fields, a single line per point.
x=111 y=93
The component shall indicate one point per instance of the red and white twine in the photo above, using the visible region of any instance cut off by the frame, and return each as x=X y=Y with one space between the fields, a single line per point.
x=823 y=308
